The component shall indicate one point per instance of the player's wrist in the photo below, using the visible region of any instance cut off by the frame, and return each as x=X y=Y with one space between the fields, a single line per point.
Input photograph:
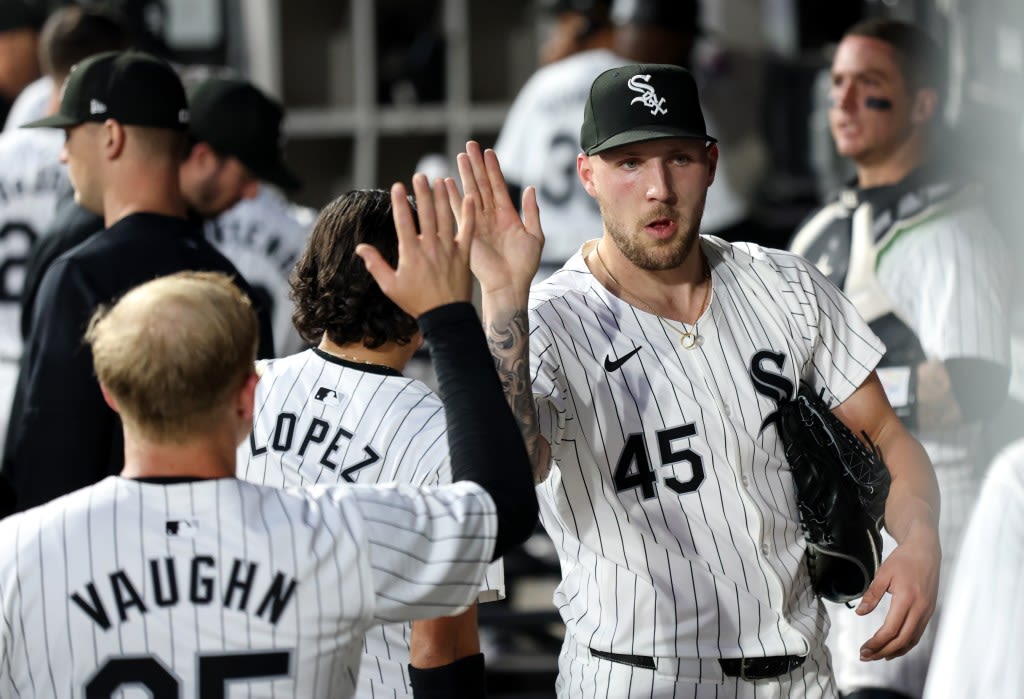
x=463 y=678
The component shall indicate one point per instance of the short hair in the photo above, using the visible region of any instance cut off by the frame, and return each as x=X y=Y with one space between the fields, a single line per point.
x=921 y=61
x=74 y=33
x=332 y=291
x=173 y=352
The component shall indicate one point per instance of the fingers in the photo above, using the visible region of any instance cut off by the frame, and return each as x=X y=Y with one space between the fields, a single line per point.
x=425 y=209
x=467 y=224
x=377 y=266
x=531 y=212
x=496 y=179
x=478 y=170
x=873 y=595
x=902 y=628
x=443 y=212
x=401 y=210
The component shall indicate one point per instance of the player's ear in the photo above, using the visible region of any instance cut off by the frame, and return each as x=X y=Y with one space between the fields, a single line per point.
x=114 y=137
x=926 y=101
x=712 y=162
x=246 y=398
x=585 y=170
x=109 y=398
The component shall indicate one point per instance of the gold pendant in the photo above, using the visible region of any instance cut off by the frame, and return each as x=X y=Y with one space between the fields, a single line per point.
x=688 y=340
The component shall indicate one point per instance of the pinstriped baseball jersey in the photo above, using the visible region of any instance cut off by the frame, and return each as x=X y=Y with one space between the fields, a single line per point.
x=263 y=237
x=222 y=588
x=322 y=419
x=671 y=509
x=32 y=179
x=942 y=268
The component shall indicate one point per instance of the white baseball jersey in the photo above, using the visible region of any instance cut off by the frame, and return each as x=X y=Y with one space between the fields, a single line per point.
x=30 y=104
x=980 y=640
x=264 y=237
x=32 y=180
x=940 y=266
x=222 y=588
x=539 y=142
x=671 y=508
x=321 y=419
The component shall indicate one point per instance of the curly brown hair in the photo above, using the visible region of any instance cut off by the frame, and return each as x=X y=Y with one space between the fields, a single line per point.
x=332 y=291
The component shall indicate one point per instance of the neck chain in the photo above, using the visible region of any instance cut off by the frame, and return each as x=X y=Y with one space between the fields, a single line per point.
x=688 y=339
x=355 y=360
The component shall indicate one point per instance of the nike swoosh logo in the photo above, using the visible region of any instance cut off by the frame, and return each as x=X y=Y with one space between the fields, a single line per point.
x=610 y=365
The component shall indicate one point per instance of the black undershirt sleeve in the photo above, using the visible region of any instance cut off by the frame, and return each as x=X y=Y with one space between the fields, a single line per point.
x=483 y=435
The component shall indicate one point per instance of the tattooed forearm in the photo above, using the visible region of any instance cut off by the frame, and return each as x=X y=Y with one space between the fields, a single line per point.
x=509 y=342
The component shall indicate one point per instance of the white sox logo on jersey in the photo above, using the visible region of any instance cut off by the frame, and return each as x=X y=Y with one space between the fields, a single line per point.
x=648 y=97
x=770 y=384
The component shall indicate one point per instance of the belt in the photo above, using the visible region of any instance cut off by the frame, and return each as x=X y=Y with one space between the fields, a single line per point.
x=744 y=668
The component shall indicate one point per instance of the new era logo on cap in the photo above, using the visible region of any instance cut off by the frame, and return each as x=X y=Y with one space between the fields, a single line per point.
x=97 y=107
x=641 y=102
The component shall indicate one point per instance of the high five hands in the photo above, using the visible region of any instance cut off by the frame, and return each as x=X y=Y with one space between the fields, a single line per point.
x=506 y=250
x=433 y=264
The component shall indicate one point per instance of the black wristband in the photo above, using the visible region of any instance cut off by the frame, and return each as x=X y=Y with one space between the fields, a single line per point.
x=463 y=678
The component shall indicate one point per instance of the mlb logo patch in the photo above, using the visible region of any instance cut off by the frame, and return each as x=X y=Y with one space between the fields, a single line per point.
x=185 y=528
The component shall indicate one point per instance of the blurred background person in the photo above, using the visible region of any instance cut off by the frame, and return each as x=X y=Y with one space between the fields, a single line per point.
x=33 y=179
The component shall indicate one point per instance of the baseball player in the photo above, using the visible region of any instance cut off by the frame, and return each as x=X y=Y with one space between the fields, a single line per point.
x=979 y=642
x=32 y=178
x=911 y=245
x=177 y=578
x=263 y=237
x=341 y=412
x=539 y=140
x=656 y=356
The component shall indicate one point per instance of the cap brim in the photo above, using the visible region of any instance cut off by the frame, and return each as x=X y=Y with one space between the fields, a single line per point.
x=648 y=133
x=55 y=121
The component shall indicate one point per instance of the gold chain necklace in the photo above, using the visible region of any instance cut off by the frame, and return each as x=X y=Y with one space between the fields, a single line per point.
x=688 y=339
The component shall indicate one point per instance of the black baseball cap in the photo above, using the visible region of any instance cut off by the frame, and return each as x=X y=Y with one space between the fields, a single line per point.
x=641 y=102
x=132 y=87
x=237 y=119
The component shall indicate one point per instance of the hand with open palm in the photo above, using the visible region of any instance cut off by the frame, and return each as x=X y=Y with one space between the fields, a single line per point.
x=506 y=249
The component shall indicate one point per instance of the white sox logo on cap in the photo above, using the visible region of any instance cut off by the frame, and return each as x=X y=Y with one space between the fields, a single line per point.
x=648 y=97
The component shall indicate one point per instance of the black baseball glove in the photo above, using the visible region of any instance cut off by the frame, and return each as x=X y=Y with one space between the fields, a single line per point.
x=841 y=487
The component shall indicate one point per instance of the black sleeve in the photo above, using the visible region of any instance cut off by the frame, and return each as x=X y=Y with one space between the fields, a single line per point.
x=979 y=386
x=62 y=435
x=483 y=435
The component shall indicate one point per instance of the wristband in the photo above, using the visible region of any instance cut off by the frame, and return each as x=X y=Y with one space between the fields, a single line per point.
x=463 y=678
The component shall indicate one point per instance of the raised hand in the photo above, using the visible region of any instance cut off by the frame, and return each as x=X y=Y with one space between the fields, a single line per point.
x=433 y=265
x=506 y=252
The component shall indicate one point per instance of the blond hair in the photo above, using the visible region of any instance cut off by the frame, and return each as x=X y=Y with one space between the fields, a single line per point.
x=173 y=351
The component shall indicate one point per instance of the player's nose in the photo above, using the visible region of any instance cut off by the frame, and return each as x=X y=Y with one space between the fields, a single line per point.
x=658 y=181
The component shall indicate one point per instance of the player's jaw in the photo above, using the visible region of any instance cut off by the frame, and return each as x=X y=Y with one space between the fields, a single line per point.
x=658 y=240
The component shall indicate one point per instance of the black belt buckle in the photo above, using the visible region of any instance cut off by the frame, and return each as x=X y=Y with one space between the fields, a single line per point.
x=643 y=661
x=760 y=668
